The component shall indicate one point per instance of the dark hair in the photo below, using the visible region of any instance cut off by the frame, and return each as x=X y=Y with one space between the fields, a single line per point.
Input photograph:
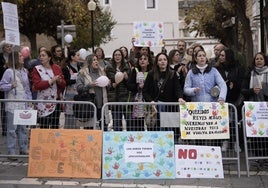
x=122 y=60
x=71 y=53
x=264 y=57
x=53 y=48
x=156 y=67
x=126 y=51
x=49 y=54
x=39 y=49
x=229 y=55
x=99 y=48
x=194 y=47
x=171 y=54
x=149 y=66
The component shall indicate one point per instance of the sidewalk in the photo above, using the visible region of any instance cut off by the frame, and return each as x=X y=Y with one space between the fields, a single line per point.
x=14 y=174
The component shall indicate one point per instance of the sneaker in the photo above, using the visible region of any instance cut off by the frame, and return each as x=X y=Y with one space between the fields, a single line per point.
x=12 y=158
x=224 y=146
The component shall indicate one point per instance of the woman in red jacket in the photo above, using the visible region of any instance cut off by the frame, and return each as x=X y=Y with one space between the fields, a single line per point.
x=49 y=82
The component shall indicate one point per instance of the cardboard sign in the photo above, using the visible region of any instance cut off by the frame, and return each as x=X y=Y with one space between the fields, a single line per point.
x=138 y=155
x=200 y=120
x=149 y=34
x=65 y=153
x=256 y=119
x=198 y=162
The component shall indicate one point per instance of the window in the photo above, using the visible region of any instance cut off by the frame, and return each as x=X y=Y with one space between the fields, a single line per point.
x=150 y=4
x=106 y=2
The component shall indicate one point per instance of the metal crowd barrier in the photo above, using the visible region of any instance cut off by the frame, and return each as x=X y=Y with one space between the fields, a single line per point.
x=119 y=117
x=62 y=118
x=256 y=150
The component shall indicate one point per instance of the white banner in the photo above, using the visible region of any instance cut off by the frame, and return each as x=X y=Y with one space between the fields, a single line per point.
x=149 y=34
x=198 y=162
x=25 y=117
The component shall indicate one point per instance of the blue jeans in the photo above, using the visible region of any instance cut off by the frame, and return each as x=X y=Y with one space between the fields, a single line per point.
x=15 y=132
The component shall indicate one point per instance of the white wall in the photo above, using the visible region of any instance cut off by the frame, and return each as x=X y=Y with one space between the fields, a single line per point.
x=125 y=12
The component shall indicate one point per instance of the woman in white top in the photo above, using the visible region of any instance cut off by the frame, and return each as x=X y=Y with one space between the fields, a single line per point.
x=15 y=84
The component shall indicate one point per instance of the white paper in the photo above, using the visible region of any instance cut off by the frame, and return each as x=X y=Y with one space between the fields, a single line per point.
x=10 y=9
x=11 y=23
x=12 y=37
x=25 y=117
x=170 y=119
x=139 y=152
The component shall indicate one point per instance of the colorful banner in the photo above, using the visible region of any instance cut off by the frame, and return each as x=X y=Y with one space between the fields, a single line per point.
x=148 y=33
x=198 y=162
x=256 y=119
x=138 y=155
x=65 y=153
x=203 y=120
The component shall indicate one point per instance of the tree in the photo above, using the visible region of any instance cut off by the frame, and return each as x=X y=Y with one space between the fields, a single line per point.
x=213 y=18
x=79 y=15
x=42 y=17
x=37 y=17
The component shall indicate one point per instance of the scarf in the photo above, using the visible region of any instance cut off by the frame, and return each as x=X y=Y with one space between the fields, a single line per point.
x=202 y=69
x=259 y=77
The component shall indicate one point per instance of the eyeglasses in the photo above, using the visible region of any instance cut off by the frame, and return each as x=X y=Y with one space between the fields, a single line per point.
x=58 y=50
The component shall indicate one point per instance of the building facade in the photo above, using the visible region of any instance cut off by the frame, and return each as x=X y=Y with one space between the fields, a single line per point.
x=125 y=12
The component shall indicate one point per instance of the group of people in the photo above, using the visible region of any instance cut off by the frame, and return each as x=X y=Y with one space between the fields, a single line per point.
x=178 y=76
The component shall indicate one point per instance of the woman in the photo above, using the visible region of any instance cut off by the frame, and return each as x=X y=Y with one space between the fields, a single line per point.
x=57 y=54
x=255 y=88
x=16 y=87
x=5 y=50
x=70 y=70
x=179 y=68
x=232 y=74
x=126 y=58
x=87 y=81
x=201 y=79
x=162 y=85
x=135 y=85
x=49 y=82
x=196 y=48
x=118 y=91
x=101 y=57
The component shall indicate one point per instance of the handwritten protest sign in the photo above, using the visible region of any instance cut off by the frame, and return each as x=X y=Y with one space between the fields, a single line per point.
x=198 y=162
x=149 y=34
x=65 y=153
x=138 y=155
x=256 y=117
x=204 y=121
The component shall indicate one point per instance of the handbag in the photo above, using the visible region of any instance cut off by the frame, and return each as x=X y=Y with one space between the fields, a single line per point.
x=138 y=109
x=84 y=111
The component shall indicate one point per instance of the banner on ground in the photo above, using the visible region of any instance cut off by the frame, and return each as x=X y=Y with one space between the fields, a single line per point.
x=256 y=117
x=65 y=153
x=138 y=155
x=203 y=120
x=198 y=162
